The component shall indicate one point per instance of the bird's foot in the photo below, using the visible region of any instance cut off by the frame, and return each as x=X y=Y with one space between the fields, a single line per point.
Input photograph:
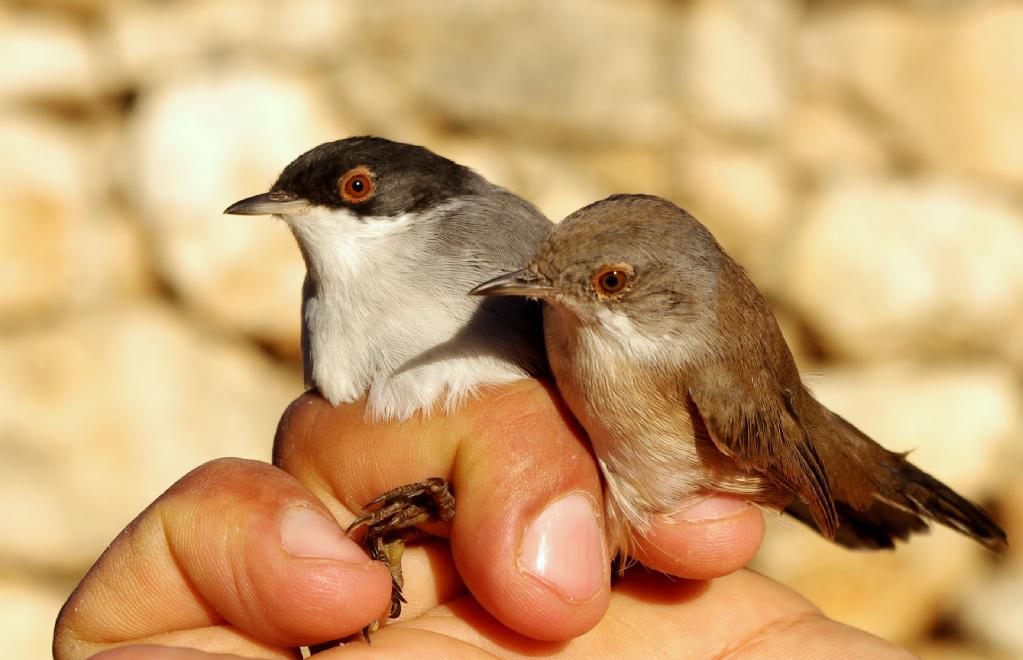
x=390 y=523
x=406 y=506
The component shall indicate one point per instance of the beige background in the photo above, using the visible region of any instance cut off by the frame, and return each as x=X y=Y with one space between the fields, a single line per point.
x=864 y=160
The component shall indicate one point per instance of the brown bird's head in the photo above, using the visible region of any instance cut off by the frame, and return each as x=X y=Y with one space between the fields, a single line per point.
x=635 y=266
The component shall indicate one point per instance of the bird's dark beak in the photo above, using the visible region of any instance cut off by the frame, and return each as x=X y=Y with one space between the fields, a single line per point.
x=525 y=282
x=271 y=203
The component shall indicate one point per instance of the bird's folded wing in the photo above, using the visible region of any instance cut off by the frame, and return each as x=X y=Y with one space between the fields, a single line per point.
x=755 y=423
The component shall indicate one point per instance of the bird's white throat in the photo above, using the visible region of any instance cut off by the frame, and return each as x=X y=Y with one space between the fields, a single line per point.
x=604 y=330
x=373 y=310
x=342 y=247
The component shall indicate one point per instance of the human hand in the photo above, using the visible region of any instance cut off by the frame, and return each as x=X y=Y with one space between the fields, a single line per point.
x=514 y=457
x=215 y=547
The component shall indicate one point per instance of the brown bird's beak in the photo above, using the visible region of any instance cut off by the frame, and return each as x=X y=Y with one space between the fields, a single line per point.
x=271 y=203
x=525 y=282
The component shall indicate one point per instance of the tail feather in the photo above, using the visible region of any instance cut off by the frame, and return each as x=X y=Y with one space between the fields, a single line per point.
x=878 y=527
x=881 y=497
x=933 y=499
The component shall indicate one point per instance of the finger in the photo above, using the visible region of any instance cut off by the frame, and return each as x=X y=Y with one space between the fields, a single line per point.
x=528 y=533
x=346 y=461
x=236 y=557
x=717 y=536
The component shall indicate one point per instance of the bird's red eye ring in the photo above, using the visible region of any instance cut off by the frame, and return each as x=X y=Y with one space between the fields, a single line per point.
x=612 y=279
x=357 y=185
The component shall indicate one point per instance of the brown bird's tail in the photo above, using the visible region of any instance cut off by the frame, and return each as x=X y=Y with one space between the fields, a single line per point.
x=881 y=497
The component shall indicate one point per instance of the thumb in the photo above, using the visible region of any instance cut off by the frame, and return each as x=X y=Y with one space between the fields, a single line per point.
x=235 y=556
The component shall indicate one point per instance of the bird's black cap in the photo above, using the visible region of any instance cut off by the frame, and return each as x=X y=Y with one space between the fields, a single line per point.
x=406 y=178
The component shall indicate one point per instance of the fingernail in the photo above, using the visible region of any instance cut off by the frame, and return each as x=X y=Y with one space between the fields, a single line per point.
x=716 y=507
x=563 y=548
x=306 y=532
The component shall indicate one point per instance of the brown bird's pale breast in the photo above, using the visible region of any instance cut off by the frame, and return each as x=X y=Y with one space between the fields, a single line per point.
x=653 y=462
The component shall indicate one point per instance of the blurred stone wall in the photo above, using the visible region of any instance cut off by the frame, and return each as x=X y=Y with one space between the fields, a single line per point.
x=863 y=160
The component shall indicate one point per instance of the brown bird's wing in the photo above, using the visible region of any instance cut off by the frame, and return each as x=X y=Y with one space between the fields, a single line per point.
x=784 y=433
x=756 y=411
x=754 y=422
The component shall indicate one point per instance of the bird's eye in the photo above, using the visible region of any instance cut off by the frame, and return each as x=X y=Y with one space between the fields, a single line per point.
x=611 y=280
x=356 y=186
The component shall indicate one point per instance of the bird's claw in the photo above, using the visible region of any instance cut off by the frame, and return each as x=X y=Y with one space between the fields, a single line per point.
x=390 y=522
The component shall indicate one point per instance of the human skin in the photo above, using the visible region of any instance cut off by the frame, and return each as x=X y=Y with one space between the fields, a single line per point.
x=246 y=558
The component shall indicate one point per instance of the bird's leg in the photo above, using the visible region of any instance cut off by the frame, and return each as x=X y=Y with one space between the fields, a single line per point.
x=390 y=522
x=389 y=549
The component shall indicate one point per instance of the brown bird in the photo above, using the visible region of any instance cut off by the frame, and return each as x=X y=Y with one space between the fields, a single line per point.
x=671 y=359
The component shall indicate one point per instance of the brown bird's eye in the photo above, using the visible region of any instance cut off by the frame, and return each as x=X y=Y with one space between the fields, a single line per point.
x=356 y=186
x=612 y=279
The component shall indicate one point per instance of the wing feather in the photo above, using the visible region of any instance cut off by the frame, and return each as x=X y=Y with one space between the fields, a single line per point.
x=755 y=423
